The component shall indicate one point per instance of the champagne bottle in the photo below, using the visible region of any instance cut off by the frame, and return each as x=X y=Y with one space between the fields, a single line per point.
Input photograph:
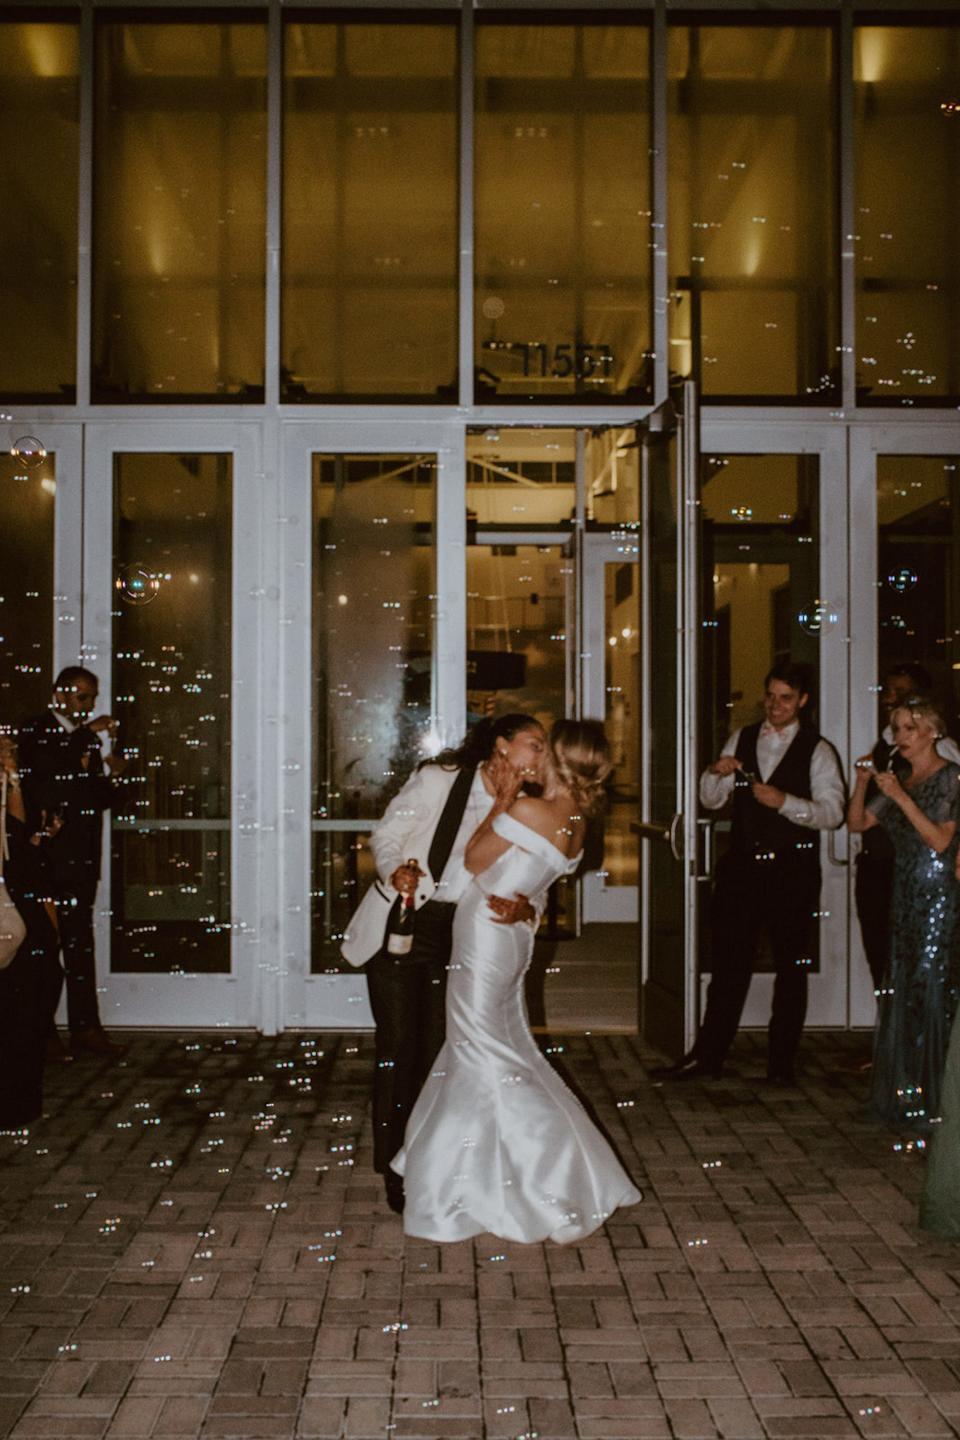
x=400 y=927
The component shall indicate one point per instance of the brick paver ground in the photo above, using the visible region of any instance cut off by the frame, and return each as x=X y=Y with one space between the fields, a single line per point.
x=194 y=1245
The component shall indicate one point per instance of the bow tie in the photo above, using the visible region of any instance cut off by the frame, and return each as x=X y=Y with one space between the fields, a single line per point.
x=770 y=732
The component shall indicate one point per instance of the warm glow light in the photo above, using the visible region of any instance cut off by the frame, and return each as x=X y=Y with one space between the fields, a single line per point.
x=872 y=54
x=341 y=599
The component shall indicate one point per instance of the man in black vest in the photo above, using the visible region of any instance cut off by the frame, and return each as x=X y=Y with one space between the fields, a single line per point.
x=786 y=785
x=66 y=792
x=418 y=849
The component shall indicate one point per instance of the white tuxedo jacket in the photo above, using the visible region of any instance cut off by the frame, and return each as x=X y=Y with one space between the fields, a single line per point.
x=404 y=833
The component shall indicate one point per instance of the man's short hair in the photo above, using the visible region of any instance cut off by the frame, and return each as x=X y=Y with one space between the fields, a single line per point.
x=920 y=679
x=791 y=673
x=70 y=674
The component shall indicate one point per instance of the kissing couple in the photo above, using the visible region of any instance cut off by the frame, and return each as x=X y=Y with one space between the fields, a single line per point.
x=474 y=1131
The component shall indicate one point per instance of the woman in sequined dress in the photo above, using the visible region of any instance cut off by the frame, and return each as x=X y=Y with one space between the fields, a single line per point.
x=918 y=809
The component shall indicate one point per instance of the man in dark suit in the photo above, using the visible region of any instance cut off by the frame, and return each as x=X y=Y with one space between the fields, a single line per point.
x=786 y=785
x=66 y=792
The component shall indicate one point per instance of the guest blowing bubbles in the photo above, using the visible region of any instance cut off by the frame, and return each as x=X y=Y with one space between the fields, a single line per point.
x=918 y=997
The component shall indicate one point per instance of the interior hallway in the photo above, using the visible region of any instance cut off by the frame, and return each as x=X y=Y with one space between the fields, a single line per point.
x=194 y=1245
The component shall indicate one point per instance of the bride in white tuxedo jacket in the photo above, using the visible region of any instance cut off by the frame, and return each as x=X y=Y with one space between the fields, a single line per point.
x=496 y=1141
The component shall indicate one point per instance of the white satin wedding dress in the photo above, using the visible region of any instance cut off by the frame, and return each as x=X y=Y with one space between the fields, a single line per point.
x=496 y=1142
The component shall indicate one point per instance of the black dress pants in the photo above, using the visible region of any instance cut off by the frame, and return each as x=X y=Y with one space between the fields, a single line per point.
x=873 y=889
x=25 y=995
x=781 y=897
x=75 y=921
x=408 y=998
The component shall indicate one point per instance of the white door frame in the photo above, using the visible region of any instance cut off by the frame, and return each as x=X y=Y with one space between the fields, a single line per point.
x=601 y=902
x=338 y=1001
x=919 y=436
x=233 y=1000
x=828 y=1004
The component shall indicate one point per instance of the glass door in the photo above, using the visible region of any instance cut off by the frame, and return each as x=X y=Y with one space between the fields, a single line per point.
x=667 y=823
x=775 y=567
x=373 y=668
x=905 y=591
x=174 y=628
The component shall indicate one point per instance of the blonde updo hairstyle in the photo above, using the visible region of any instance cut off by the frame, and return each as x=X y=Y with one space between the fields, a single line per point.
x=581 y=761
x=925 y=708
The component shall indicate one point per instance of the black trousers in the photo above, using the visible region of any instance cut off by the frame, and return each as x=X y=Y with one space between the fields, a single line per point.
x=408 y=998
x=749 y=895
x=873 y=889
x=75 y=920
x=28 y=996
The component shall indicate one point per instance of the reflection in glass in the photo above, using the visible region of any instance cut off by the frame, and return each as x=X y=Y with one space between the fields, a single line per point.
x=563 y=256
x=753 y=215
x=621 y=859
x=918 y=577
x=520 y=619
x=372 y=627
x=520 y=478
x=762 y=600
x=342 y=868
x=519 y=600
x=39 y=141
x=370 y=209
x=179 y=210
x=907 y=148
x=613 y=476
x=26 y=588
x=170 y=879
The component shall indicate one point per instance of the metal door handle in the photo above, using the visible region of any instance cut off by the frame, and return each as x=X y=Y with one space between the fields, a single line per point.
x=650 y=830
x=708 y=849
x=832 y=850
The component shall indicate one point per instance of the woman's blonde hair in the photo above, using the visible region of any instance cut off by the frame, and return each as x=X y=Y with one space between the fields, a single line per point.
x=581 y=760
x=922 y=707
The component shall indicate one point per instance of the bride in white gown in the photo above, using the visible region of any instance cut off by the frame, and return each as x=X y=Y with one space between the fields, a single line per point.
x=496 y=1142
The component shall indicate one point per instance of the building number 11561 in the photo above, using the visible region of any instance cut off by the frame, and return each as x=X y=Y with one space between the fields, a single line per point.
x=560 y=362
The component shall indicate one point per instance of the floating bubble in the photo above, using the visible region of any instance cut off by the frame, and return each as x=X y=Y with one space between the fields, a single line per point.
x=136 y=585
x=902 y=579
x=816 y=616
x=29 y=452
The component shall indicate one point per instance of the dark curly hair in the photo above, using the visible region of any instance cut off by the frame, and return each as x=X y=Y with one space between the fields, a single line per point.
x=478 y=743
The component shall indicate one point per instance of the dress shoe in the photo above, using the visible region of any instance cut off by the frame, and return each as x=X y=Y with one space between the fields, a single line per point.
x=94 y=1041
x=393 y=1185
x=691 y=1067
x=55 y=1050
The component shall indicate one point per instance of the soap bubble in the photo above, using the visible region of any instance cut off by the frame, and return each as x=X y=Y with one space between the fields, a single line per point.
x=902 y=579
x=29 y=452
x=815 y=617
x=136 y=585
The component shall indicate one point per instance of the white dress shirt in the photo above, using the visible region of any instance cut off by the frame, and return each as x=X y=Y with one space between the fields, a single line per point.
x=823 y=811
x=456 y=877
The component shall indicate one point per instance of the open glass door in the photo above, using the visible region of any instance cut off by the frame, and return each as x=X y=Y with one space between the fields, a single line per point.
x=668 y=824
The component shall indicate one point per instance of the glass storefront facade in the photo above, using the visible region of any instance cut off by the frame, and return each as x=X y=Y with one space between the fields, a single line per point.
x=371 y=313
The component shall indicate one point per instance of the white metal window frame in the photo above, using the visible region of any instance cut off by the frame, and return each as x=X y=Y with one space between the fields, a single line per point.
x=240 y=998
